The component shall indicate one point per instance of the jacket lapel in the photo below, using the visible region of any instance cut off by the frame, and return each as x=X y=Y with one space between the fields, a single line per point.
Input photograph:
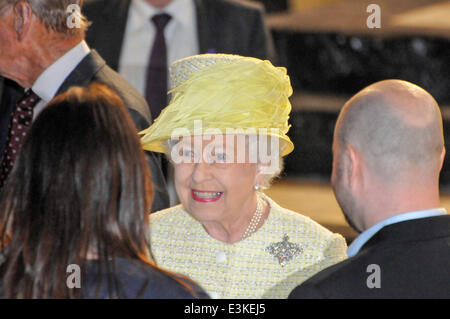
x=204 y=30
x=108 y=32
x=83 y=74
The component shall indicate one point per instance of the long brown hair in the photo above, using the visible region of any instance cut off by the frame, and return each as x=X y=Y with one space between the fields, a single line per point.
x=80 y=187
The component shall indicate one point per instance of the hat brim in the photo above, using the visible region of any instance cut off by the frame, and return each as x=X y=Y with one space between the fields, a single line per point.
x=161 y=145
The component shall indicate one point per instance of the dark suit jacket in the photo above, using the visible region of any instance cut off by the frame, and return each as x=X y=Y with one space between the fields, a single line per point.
x=224 y=26
x=139 y=280
x=10 y=93
x=414 y=261
x=94 y=69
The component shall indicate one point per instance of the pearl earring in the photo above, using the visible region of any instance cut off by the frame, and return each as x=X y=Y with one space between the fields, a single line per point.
x=256 y=187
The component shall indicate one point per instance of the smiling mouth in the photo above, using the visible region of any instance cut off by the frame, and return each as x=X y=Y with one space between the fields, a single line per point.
x=205 y=196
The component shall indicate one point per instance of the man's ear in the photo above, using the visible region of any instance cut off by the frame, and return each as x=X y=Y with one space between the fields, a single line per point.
x=23 y=15
x=442 y=158
x=353 y=166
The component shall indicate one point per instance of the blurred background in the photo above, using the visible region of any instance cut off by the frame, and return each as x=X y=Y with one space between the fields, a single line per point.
x=331 y=53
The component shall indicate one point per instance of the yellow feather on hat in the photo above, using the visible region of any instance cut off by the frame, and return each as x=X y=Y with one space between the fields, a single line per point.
x=223 y=92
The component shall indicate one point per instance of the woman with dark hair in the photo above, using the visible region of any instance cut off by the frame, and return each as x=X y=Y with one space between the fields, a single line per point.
x=80 y=194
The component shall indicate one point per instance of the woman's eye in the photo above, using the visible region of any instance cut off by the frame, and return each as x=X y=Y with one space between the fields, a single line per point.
x=188 y=153
x=221 y=157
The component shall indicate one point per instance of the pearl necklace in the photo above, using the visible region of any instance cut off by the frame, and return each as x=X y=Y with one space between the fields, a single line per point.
x=251 y=228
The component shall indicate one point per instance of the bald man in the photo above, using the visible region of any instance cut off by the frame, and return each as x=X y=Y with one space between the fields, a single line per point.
x=388 y=151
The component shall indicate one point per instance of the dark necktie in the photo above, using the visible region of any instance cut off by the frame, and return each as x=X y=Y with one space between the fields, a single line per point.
x=21 y=120
x=156 y=87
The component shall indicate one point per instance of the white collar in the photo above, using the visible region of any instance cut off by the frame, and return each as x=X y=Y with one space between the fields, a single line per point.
x=364 y=237
x=180 y=10
x=48 y=83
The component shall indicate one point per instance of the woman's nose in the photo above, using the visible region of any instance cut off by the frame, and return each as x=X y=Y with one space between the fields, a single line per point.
x=201 y=172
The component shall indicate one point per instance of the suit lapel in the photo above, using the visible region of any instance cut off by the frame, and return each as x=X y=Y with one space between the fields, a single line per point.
x=118 y=25
x=83 y=74
x=109 y=30
x=204 y=27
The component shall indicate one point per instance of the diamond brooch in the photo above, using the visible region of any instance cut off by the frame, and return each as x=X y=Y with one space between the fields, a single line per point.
x=284 y=250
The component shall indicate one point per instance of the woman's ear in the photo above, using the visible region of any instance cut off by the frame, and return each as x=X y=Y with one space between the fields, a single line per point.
x=262 y=171
x=259 y=175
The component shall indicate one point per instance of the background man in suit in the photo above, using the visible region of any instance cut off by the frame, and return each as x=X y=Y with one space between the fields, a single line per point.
x=125 y=31
x=140 y=38
x=46 y=54
x=388 y=152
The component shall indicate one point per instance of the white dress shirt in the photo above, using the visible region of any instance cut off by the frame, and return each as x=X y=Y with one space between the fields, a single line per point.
x=48 y=83
x=364 y=237
x=180 y=35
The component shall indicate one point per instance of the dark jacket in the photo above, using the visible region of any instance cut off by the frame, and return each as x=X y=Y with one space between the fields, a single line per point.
x=224 y=26
x=137 y=280
x=413 y=258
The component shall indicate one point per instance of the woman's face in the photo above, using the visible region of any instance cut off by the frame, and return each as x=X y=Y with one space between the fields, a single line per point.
x=214 y=178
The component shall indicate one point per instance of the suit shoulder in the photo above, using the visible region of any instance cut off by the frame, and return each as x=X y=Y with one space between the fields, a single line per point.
x=131 y=97
x=332 y=282
x=249 y=5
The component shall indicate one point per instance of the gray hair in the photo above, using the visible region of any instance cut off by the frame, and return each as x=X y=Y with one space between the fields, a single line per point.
x=55 y=14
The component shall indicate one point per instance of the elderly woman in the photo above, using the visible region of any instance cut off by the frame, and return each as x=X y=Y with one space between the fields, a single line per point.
x=225 y=132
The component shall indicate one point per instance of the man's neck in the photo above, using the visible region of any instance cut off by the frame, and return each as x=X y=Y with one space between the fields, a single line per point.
x=46 y=54
x=400 y=203
x=159 y=4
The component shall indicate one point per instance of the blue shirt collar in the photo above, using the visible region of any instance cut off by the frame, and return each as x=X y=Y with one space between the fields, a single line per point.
x=364 y=237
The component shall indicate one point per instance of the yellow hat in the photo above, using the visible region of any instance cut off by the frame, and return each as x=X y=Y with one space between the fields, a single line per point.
x=223 y=92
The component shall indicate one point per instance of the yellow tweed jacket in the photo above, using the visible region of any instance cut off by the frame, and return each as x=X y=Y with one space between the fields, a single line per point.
x=288 y=249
